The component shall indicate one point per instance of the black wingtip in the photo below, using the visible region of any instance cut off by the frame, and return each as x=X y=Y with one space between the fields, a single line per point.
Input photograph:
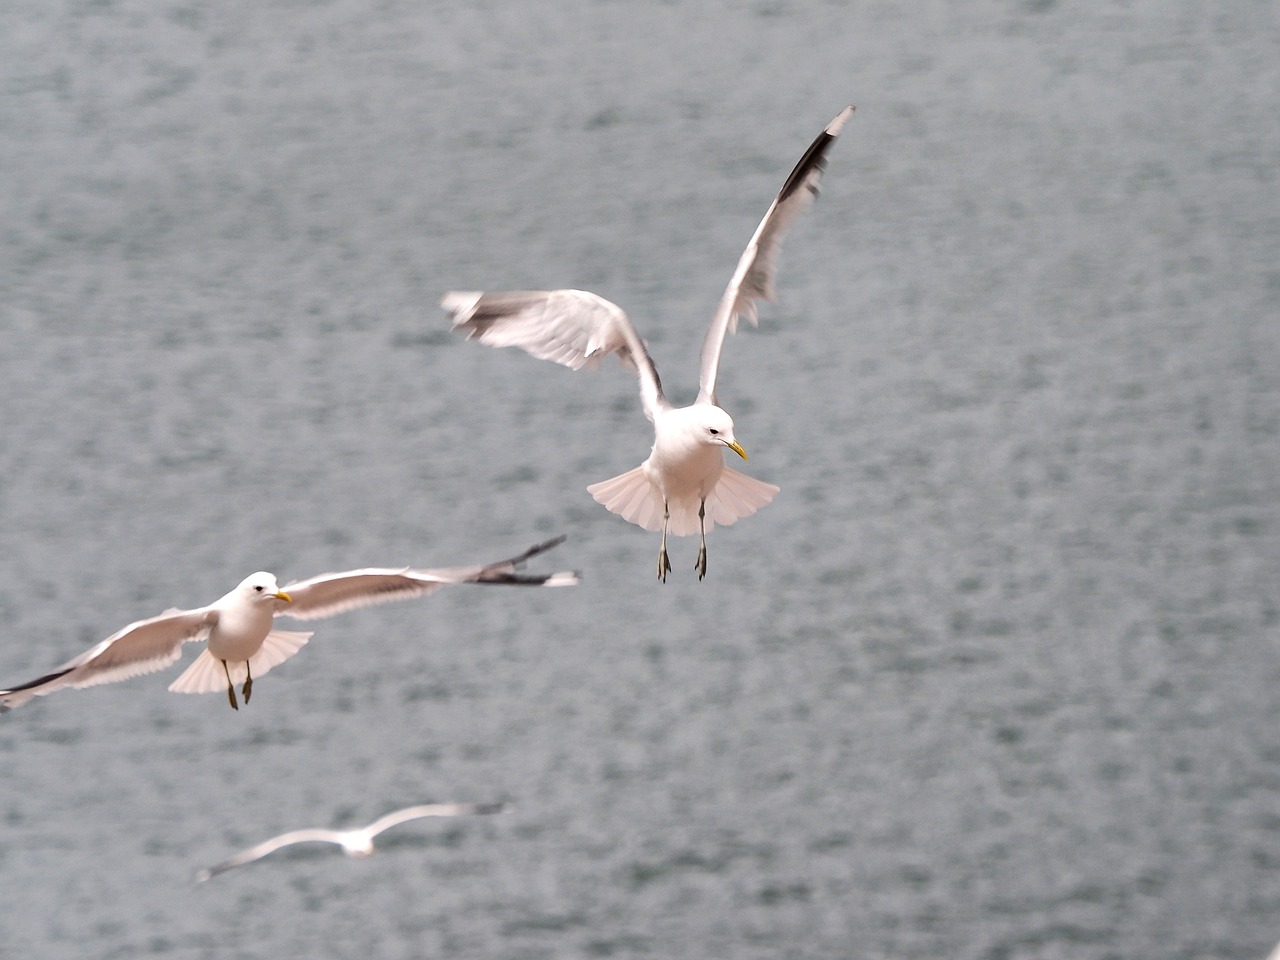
x=815 y=157
x=503 y=571
x=39 y=681
x=532 y=551
x=561 y=578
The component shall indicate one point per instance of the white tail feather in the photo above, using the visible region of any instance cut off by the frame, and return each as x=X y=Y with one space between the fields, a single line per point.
x=203 y=676
x=279 y=646
x=737 y=496
x=631 y=496
x=206 y=674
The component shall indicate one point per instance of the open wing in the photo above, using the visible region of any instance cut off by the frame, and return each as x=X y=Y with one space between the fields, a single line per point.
x=258 y=851
x=142 y=647
x=754 y=277
x=332 y=593
x=571 y=327
x=386 y=821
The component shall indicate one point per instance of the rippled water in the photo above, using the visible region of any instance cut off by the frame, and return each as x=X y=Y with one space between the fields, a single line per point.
x=994 y=677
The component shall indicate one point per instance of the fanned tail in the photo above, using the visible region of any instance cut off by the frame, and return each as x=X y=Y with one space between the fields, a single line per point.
x=206 y=674
x=635 y=499
x=279 y=646
x=737 y=496
x=203 y=676
x=631 y=496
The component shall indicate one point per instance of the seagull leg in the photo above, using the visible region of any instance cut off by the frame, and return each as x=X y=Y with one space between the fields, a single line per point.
x=664 y=562
x=701 y=565
x=231 y=688
x=248 y=681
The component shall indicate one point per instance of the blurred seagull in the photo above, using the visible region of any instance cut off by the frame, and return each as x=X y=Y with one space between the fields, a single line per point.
x=684 y=487
x=354 y=843
x=242 y=642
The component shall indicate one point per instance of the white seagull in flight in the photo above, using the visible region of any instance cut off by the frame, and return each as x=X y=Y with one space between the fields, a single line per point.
x=684 y=487
x=354 y=843
x=239 y=627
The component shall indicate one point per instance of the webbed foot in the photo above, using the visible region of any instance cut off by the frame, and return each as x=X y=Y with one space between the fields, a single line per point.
x=231 y=688
x=664 y=564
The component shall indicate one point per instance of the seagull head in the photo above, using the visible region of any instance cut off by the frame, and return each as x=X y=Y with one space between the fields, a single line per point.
x=262 y=585
x=716 y=427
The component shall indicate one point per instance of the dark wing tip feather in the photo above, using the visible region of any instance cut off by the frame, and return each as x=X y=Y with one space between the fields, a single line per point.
x=815 y=158
x=503 y=572
x=533 y=551
x=562 y=578
x=33 y=683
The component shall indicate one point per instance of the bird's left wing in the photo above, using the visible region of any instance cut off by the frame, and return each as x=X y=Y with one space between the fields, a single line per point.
x=753 y=279
x=142 y=647
x=386 y=821
x=332 y=593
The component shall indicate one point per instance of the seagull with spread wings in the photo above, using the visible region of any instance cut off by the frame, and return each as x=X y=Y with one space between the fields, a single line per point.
x=242 y=642
x=356 y=843
x=683 y=487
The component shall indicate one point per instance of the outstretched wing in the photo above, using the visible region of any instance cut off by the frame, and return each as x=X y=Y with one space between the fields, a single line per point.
x=754 y=277
x=572 y=327
x=258 y=851
x=142 y=647
x=386 y=821
x=332 y=593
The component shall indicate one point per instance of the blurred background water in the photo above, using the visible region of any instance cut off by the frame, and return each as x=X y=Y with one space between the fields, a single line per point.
x=994 y=677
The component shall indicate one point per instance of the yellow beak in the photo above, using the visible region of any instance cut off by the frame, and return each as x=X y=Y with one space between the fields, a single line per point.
x=737 y=448
x=281 y=595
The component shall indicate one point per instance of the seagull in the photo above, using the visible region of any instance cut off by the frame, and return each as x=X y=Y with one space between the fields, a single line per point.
x=356 y=843
x=684 y=487
x=242 y=641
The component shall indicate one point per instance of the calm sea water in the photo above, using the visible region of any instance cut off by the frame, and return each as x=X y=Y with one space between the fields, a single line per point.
x=996 y=675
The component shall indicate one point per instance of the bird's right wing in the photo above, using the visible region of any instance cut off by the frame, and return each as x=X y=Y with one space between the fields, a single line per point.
x=260 y=850
x=571 y=327
x=142 y=647
x=332 y=593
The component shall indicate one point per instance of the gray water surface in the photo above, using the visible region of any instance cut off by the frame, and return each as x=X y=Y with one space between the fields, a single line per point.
x=994 y=677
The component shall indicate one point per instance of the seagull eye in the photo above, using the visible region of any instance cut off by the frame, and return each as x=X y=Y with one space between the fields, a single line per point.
x=715 y=432
x=258 y=587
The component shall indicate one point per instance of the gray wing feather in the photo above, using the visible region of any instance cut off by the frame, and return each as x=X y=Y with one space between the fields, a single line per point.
x=753 y=279
x=343 y=838
x=386 y=821
x=332 y=593
x=574 y=328
x=260 y=850
x=142 y=647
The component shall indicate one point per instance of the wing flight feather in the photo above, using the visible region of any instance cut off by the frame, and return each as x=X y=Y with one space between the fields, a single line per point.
x=142 y=647
x=570 y=327
x=753 y=279
x=332 y=593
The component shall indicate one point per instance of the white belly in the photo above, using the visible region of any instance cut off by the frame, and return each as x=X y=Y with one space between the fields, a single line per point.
x=238 y=636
